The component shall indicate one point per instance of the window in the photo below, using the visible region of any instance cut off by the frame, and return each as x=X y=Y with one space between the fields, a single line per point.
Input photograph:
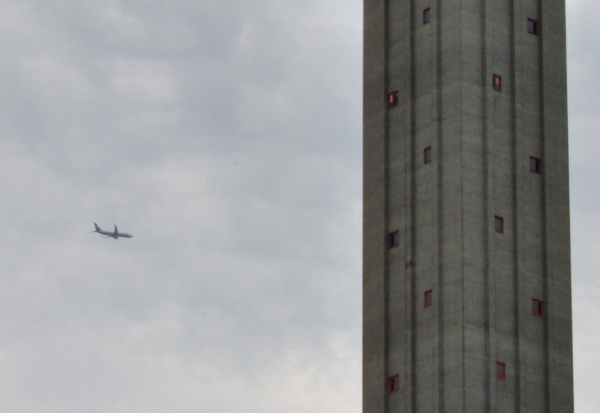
x=394 y=384
x=497 y=83
x=535 y=165
x=538 y=307
x=499 y=224
x=427 y=155
x=427 y=15
x=500 y=371
x=428 y=298
x=533 y=27
x=392 y=99
x=393 y=239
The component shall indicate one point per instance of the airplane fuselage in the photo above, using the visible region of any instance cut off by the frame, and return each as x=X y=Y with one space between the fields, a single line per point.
x=114 y=234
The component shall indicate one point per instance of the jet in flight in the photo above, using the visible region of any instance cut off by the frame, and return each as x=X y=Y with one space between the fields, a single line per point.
x=115 y=234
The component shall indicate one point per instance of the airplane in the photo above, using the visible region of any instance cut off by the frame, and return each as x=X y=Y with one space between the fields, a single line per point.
x=116 y=234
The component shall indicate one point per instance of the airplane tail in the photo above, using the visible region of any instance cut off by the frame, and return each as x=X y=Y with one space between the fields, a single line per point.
x=97 y=228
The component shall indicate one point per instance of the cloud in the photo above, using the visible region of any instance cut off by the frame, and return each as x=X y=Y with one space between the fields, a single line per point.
x=225 y=136
x=584 y=122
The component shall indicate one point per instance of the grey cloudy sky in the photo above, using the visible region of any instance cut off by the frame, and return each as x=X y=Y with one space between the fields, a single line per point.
x=225 y=135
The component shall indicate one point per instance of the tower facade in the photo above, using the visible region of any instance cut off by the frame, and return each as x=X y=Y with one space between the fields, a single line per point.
x=466 y=252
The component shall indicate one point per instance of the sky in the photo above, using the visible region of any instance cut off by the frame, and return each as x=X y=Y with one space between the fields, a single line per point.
x=225 y=135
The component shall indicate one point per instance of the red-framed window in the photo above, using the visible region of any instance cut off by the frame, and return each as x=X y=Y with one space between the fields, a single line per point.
x=500 y=371
x=393 y=239
x=537 y=307
x=427 y=155
x=427 y=15
x=497 y=83
x=499 y=224
x=392 y=99
x=535 y=165
x=533 y=27
x=428 y=298
x=393 y=384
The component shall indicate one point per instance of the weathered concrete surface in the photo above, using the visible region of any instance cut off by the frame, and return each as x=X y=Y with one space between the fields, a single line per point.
x=483 y=282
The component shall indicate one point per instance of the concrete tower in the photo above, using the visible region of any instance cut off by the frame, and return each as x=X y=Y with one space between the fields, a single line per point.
x=467 y=289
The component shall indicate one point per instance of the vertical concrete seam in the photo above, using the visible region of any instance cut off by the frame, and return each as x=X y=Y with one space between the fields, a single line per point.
x=542 y=131
x=440 y=217
x=515 y=224
x=413 y=232
x=462 y=202
x=386 y=200
x=486 y=215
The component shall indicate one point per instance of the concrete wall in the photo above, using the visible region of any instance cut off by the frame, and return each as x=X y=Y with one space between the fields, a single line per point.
x=483 y=282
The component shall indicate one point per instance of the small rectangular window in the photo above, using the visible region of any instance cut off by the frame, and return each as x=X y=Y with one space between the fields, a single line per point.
x=427 y=15
x=427 y=155
x=393 y=384
x=428 y=298
x=499 y=224
x=497 y=83
x=500 y=371
x=535 y=165
x=393 y=239
x=538 y=307
x=533 y=27
x=392 y=100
